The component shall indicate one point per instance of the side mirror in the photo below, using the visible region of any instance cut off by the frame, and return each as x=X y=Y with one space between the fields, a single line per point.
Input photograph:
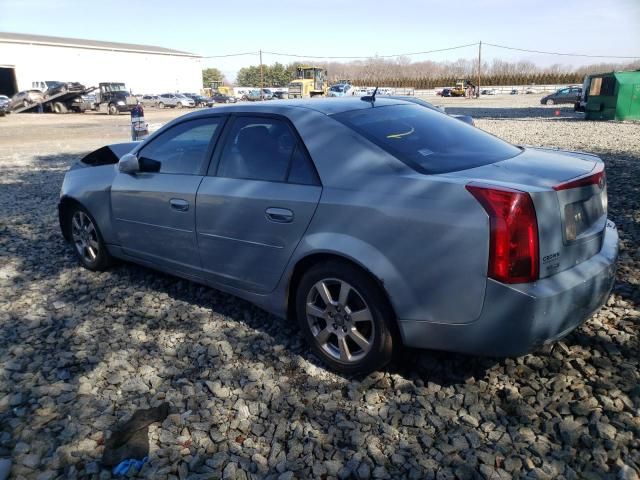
x=129 y=163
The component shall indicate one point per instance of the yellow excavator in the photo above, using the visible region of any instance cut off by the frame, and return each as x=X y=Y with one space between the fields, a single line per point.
x=218 y=86
x=310 y=82
x=459 y=90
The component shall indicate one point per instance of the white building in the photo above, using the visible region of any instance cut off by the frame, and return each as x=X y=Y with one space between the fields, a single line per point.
x=144 y=69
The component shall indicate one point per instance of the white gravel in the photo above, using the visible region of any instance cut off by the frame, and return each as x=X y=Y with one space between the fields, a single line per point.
x=80 y=351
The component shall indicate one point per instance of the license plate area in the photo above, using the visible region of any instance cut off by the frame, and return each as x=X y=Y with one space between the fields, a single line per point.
x=584 y=218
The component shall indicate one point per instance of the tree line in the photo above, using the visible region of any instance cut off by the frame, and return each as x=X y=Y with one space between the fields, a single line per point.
x=402 y=72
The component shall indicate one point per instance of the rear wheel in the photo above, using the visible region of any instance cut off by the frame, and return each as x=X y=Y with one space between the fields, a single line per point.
x=550 y=102
x=59 y=107
x=345 y=318
x=87 y=240
x=161 y=105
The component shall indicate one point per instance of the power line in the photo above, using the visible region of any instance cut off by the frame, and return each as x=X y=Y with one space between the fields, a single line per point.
x=371 y=56
x=293 y=55
x=559 y=53
x=231 y=55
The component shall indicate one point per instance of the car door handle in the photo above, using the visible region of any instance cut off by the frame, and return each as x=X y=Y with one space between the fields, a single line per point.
x=179 y=204
x=279 y=215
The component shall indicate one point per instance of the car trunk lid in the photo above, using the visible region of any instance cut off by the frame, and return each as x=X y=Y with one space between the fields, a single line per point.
x=569 y=193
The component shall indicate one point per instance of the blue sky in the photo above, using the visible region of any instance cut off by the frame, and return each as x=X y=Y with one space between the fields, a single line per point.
x=342 y=28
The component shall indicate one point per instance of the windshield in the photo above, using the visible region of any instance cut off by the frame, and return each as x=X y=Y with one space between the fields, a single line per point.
x=337 y=88
x=427 y=140
x=115 y=87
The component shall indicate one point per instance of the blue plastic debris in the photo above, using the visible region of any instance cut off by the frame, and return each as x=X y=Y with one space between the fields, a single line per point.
x=123 y=467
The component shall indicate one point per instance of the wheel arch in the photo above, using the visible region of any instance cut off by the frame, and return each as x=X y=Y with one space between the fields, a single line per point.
x=307 y=262
x=64 y=208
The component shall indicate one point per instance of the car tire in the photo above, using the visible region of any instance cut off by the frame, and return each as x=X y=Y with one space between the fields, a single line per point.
x=550 y=102
x=339 y=292
x=85 y=238
x=112 y=109
x=179 y=105
x=25 y=104
x=161 y=105
x=59 y=107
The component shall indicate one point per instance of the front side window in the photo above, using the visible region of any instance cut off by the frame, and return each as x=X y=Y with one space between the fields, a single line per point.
x=181 y=149
x=426 y=140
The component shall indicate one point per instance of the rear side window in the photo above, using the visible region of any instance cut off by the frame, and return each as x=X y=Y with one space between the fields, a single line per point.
x=426 y=140
x=265 y=149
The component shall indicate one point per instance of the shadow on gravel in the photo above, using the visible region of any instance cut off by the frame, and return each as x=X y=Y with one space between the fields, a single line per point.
x=80 y=350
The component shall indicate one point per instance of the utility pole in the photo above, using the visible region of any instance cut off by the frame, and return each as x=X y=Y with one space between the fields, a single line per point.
x=479 y=68
x=261 y=78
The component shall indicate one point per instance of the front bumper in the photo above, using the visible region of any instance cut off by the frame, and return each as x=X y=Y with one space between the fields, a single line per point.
x=516 y=319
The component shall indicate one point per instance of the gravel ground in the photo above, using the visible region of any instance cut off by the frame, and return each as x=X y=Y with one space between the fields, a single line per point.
x=81 y=351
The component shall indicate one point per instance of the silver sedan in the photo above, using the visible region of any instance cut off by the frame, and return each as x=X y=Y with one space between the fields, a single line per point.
x=373 y=223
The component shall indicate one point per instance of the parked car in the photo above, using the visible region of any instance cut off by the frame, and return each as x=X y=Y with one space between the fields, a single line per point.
x=564 y=95
x=150 y=100
x=222 y=98
x=199 y=100
x=267 y=94
x=446 y=92
x=341 y=90
x=25 y=98
x=514 y=92
x=281 y=94
x=299 y=211
x=4 y=105
x=490 y=91
x=175 y=100
x=252 y=95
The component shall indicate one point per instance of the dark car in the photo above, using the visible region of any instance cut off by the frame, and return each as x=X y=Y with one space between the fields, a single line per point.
x=222 y=98
x=199 y=100
x=564 y=95
x=4 y=105
x=445 y=92
x=55 y=87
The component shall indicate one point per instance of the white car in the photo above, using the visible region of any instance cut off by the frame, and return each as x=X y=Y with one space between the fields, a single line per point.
x=175 y=100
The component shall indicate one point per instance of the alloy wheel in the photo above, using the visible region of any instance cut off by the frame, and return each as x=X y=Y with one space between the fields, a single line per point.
x=340 y=320
x=85 y=237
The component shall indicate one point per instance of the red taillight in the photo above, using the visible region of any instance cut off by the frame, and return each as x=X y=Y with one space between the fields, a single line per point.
x=513 y=243
x=596 y=178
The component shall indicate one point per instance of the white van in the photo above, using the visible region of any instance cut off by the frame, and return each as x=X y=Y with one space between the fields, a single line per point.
x=241 y=92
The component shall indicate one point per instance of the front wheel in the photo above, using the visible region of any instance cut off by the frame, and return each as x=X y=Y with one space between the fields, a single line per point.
x=550 y=102
x=113 y=109
x=178 y=105
x=345 y=318
x=87 y=240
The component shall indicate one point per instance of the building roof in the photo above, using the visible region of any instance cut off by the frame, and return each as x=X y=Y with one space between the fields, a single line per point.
x=27 y=38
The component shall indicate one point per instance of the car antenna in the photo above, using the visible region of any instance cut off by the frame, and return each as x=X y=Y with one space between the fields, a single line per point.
x=370 y=98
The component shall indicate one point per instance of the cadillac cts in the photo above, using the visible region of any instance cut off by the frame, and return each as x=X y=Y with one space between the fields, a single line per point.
x=375 y=223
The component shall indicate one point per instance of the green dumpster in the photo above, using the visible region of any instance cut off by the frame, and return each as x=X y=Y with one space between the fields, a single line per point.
x=613 y=96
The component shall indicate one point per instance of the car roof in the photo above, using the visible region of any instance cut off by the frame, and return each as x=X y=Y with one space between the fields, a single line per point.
x=327 y=106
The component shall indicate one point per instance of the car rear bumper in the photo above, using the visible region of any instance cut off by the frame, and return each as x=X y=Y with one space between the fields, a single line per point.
x=516 y=319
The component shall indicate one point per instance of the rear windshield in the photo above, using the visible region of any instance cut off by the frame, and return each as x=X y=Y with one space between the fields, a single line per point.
x=427 y=140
